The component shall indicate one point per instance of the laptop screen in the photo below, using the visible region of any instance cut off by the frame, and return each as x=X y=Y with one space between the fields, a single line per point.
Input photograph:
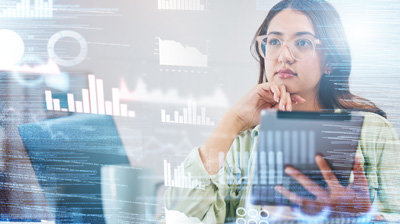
x=67 y=154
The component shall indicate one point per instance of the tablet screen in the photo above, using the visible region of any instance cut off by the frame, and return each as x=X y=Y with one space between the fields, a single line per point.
x=294 y=138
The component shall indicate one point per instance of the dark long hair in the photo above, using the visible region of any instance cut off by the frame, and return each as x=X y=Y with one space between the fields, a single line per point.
x=334 y=90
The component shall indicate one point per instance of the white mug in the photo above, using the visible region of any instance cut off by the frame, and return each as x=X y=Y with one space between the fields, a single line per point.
x=128 y=194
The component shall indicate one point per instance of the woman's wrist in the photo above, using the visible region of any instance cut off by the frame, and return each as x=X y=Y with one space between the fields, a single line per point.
x=232 y=120
x=219 y=143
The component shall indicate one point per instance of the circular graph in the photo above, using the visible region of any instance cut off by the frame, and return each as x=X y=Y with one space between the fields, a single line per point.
x=241 y=212
x=67 y=62
x=12 y=48
x=264 y=213
x=241 y=221
x=253 y=213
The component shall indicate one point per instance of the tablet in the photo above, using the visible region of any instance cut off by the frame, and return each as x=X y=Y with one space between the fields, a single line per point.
x=293 y=139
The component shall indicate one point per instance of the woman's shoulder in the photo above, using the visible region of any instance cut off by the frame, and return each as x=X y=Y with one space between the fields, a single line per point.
x=377 y=128
x=373 y=120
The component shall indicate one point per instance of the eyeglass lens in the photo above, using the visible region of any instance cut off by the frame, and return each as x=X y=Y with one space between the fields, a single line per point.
x=300 y=48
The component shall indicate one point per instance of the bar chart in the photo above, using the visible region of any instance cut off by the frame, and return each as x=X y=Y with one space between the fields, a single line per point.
x=275 y=150
x=180 y=178
x=92 y=101
x=198 y=5
x=25 y=9
x=189 y=116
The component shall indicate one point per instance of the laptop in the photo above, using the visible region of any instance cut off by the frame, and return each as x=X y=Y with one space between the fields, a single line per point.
x=294 y=139
x=67 y=155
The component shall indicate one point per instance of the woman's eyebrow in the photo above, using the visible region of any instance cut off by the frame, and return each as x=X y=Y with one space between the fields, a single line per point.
x=296 y=34
x=275 y=33
x=304 y=33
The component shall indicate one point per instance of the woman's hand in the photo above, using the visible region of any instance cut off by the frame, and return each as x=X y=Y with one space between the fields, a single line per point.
x=262 y=96
x=353 y=200
x=242 y=116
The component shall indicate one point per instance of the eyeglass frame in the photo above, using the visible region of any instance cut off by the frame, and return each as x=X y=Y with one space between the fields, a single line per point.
x=314 y=42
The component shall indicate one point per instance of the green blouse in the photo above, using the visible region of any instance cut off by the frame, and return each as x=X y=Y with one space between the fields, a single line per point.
x=224 y=197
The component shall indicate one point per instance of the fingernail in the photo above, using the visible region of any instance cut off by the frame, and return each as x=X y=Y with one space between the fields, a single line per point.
x=357 y=162
x=278 y=187
x=277 y=100
x=289 y=170
x=318 y=158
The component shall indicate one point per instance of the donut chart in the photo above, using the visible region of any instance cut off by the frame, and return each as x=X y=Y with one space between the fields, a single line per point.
x=64 y=62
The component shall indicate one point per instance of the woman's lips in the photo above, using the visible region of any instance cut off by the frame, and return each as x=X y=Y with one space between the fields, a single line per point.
x=284 y=75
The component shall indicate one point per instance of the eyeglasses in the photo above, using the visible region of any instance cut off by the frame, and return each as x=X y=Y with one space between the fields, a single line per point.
x=301 y=48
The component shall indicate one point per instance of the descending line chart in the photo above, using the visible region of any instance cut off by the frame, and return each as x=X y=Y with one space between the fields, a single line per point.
x=173 y=53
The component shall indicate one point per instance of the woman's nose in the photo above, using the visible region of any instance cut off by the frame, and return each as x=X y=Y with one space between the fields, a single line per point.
x=286 y=56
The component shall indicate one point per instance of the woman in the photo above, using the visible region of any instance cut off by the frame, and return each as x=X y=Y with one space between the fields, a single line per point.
x=305 y=62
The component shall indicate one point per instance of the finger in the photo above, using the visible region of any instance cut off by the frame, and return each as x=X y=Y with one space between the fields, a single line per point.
x=271 y=87
x=327 y=173
x=265 y=93
x=306 y=205
x=313 y=207
x=306 y=182
x=283 y=99
x=275 y=106
x=275 y=89
x=297 y=99
x=360 y=180
x=288 y=102
x=379 y=218
x=289 y=195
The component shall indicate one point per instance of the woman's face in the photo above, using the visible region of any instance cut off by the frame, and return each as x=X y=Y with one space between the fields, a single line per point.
x=287 y=25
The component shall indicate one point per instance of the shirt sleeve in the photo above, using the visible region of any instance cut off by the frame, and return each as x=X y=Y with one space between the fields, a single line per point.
x=387 y=155
x=205 y=202
x=219 y=195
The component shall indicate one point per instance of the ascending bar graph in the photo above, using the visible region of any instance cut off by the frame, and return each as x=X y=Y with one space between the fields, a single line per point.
x=198 y=5
x=24 y=9
x=178 y=178
x=92 y=101
x=189 y=116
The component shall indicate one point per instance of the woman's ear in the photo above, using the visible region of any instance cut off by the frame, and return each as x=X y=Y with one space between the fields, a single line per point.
x=328 y=70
